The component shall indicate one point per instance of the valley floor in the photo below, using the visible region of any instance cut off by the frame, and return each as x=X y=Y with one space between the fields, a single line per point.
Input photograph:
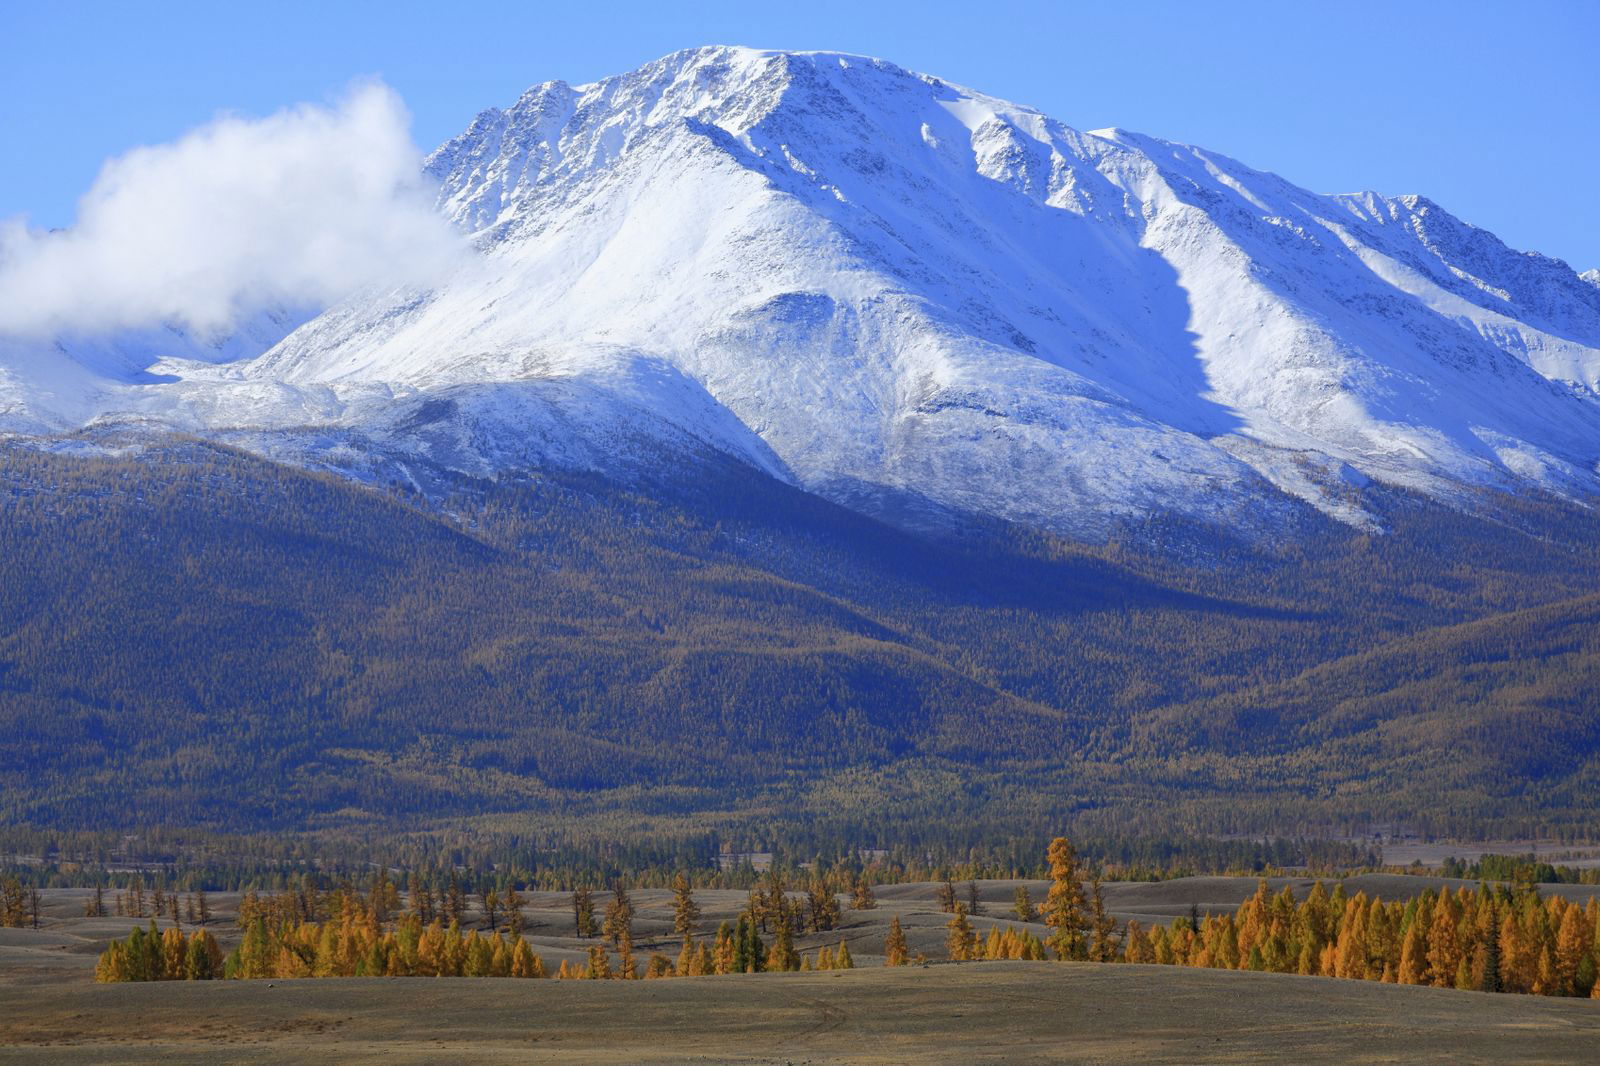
x=986 y=1012
x=974 y=1012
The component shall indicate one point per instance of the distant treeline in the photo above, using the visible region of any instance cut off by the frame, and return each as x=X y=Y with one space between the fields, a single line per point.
x=1523 y=869
x=190 y=861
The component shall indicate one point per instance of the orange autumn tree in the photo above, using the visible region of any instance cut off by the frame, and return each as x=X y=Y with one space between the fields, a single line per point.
x=895 y=951
x=1064 y=905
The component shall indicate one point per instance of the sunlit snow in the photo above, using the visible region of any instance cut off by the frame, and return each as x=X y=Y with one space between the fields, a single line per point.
x=869 y=281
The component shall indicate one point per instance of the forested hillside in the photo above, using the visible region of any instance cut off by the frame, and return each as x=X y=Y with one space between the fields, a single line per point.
x=215 y=640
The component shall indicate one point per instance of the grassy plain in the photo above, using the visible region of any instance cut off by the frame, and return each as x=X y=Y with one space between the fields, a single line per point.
x=989 y=1012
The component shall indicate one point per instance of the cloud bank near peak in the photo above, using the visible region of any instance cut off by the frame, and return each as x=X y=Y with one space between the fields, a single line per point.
x=297 y=209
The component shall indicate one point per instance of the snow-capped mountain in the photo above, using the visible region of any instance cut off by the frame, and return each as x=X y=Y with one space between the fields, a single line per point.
x=879 y=285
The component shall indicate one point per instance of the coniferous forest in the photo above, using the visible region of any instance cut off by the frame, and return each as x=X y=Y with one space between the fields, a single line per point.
x=236 y=647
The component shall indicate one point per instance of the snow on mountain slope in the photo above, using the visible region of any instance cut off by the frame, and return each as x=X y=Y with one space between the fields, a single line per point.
x=61 y=383
x=884 y=287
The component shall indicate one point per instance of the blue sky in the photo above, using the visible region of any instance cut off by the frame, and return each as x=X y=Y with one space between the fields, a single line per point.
x=1488 y=108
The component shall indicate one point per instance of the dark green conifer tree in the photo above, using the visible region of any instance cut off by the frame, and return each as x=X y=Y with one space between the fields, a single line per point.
x=582 y=912
x=197 y=961
x=1024 y=907
x=455 y=899
x=783 y=956
x=1489 y=980
x=755 y=950
x=741 y=945
x=619 y=914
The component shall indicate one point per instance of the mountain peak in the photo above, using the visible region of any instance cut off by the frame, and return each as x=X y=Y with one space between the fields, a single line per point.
x=881 y=286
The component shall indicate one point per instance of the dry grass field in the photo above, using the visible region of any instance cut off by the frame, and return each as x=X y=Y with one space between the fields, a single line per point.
x=990 y=1012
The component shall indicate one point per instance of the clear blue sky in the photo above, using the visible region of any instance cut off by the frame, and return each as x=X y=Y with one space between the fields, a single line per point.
x=1489 y=108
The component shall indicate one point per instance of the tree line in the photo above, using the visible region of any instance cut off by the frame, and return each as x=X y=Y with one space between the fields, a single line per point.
x=187 y=860
x=1492 y=939
x=1525 y=869
x=1489 y=940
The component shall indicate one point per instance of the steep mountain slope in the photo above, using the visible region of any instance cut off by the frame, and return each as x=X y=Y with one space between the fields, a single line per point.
x=216 y=639
x=1476 y=718
x=913 y=298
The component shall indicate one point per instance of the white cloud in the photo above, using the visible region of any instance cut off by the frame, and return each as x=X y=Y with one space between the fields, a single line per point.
x=293 y=210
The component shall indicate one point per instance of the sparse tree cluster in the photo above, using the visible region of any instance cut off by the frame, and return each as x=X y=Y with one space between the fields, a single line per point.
x=156 y=956
x=1494 y=939
x=353 y=946
x=19 y=904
